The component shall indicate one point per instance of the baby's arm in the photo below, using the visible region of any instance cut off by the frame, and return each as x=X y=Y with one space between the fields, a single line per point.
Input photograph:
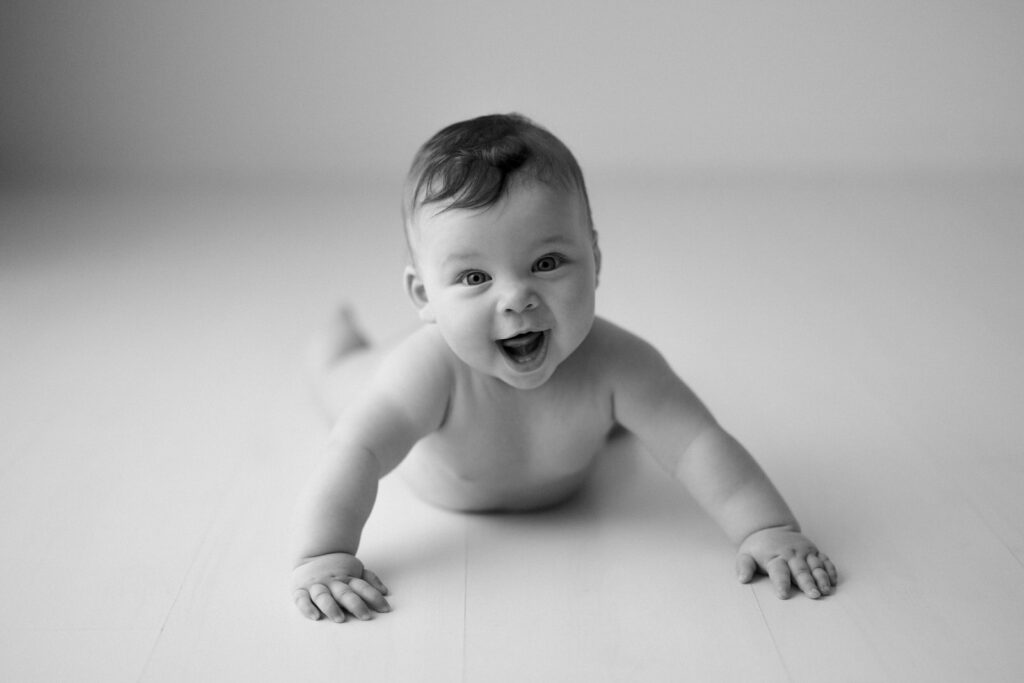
x=735 y=491
x=670 y=420
x=405 y=401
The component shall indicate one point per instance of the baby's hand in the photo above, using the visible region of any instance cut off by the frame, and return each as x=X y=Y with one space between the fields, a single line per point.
x=786 y=556
x=335 y=584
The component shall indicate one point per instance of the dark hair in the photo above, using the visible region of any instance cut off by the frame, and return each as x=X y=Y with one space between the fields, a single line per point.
x=470 y=164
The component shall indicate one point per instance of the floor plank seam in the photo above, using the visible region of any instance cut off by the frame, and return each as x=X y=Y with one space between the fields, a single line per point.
x=465 y=597
x=174 y=603
x=196 y=555
x=983 y=518
x=973 y=499
x=771 y=635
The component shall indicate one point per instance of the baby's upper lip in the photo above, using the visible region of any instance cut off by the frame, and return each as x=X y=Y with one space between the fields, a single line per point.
x=520 y=334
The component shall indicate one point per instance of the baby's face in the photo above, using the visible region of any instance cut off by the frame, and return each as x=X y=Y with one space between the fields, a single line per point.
x=511 y=288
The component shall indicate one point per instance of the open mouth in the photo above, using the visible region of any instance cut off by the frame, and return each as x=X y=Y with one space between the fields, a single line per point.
x=525 y=351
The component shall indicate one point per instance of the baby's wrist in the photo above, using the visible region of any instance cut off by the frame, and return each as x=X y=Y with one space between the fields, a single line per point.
x=792 y=526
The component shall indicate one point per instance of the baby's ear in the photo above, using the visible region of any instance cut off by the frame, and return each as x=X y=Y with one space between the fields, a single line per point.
x=597 y=260
x=418 y=294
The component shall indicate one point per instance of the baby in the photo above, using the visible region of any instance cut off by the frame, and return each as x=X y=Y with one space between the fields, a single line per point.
x=501 y=400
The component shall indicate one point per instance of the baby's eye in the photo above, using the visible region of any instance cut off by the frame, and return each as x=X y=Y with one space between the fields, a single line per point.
x=474 y=278
x=546 y=264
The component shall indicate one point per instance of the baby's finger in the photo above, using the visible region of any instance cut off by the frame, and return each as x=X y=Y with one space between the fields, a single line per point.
x=803 y=578
x=746 y=567
x=833 y=575
x=778 y=574
x=375 y=581
x=323 y=599
x=820 y=573
x=305 y=605
x=824 y=584
x=350 y=600
x=370 y=595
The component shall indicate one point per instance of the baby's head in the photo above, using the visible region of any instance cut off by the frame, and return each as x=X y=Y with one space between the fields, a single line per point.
x=473 y=164
x=504 y=257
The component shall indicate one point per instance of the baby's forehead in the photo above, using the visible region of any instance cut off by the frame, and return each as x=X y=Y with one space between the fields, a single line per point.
x=422 y=212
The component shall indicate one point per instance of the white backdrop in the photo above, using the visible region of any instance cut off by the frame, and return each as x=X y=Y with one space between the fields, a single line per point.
x=314 y=87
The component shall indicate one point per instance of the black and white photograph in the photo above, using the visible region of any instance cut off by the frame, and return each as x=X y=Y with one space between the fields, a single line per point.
x=447 y=341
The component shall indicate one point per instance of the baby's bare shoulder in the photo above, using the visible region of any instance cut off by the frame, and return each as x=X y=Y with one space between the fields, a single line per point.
x=615 y=349
x=424 y=341
x=420 y=362
x=638 y=375
x=405 y=399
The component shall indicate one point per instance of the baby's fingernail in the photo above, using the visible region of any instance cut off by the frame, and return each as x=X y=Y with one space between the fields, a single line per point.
x=815 y=594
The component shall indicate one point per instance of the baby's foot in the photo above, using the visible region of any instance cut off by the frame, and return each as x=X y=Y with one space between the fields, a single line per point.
x=340 y=338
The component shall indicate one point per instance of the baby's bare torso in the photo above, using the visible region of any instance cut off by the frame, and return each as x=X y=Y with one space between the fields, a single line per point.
x=501 y=448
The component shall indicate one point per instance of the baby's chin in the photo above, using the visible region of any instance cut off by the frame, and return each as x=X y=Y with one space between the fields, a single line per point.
x=534 y=379
x=526 y=382
x=505 y=371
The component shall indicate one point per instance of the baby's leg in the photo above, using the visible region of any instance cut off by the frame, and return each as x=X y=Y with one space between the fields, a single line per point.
x=340 y=361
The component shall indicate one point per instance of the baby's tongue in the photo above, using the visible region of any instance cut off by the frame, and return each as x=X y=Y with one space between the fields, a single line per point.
x=521 y=344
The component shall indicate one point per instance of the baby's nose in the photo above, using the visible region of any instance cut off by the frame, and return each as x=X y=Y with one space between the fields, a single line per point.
x=518 y=299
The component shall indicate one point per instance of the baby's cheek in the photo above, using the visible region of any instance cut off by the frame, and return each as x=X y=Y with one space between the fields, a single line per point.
x=581 y=301
x=469 y=331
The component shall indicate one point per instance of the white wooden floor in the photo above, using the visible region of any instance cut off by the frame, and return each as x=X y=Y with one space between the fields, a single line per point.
x=862 y=336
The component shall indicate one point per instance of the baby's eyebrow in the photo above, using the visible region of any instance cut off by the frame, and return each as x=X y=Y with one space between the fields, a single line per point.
x=460 y=257
x=557 y=239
